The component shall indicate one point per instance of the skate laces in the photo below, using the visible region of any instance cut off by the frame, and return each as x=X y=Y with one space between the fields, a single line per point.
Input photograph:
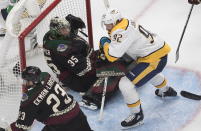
x=130 y=117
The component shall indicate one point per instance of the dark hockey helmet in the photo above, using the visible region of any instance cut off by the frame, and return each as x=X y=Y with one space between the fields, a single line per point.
x=31 y=73
x=57 y=23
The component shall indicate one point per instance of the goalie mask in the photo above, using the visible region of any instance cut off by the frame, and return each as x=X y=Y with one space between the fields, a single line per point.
x=111 y=17
x=60 y=25
x=31 y=74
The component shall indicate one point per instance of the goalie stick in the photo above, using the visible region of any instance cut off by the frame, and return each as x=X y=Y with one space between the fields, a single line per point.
x=190 y=95
x=103 y=99
x=107 y=6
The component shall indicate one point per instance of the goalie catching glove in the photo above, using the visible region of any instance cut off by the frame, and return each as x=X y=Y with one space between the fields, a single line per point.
x=2 y=129
x=75 y=22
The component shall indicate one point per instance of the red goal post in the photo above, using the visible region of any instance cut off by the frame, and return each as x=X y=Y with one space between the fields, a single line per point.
x=27 y=30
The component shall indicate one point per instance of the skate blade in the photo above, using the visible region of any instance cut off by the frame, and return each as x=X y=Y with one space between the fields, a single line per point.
x=137 y=124
x=90 y=107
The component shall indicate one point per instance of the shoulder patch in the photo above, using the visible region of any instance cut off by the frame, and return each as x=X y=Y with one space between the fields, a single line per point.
x=24 y=97
x=62 y=47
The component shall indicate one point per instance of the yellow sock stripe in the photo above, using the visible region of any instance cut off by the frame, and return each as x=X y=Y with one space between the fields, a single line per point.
x=163 y=84
x=149 y=69
x=134 y=104
x=106 y=51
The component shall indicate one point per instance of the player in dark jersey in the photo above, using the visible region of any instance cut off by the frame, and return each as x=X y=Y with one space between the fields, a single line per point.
x=44 y=100
x=73 y=61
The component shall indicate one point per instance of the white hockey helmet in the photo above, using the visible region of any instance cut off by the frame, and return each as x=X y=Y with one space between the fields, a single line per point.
x=112 y=16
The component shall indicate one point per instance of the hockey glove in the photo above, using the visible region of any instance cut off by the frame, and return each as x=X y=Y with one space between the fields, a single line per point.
x=196 y=2
x=103 y=41
x=75 y=22
x=2 y=129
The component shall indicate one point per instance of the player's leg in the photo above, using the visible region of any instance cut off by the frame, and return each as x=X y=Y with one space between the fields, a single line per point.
x=93 y=97
x=132 y=100
x=160 y=82
x=163 y=90
x=150 y=72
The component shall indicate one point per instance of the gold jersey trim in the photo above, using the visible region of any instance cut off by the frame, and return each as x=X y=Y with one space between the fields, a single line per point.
x=123 y=24
x=149 y=69
x=156 y=55
x=107 y=55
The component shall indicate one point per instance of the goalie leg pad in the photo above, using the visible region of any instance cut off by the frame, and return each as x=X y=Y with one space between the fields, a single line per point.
x=93 y=96
x=106 y=69
x=77 y=83
x=112 y=85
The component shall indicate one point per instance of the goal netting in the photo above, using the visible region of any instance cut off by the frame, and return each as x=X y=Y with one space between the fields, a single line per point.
x=23 y=23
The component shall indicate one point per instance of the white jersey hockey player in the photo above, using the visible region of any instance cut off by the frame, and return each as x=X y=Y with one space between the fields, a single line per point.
x=5 y=7
x=148 y=50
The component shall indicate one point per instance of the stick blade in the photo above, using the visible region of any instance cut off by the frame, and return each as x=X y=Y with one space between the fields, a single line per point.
x=177 y=56
x=189 y=95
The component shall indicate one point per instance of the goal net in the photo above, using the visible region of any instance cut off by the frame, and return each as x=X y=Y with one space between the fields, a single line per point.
x=15 y=54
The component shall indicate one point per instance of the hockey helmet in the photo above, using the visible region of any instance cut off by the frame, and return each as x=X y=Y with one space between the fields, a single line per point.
x=57 y=23
x=112 y=16
x=31 y=73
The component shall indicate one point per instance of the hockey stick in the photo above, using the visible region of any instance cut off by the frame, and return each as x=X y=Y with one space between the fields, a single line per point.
x=103 y=99
x=107 y=6
x=178 y=47
x=190 y=95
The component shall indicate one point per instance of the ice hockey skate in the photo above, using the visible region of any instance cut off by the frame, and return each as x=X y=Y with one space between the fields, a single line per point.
x=170 y=92
x=87 y=104
x=133 y=120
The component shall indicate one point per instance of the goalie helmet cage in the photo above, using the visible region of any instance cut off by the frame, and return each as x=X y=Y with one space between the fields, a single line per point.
x=10 y=85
